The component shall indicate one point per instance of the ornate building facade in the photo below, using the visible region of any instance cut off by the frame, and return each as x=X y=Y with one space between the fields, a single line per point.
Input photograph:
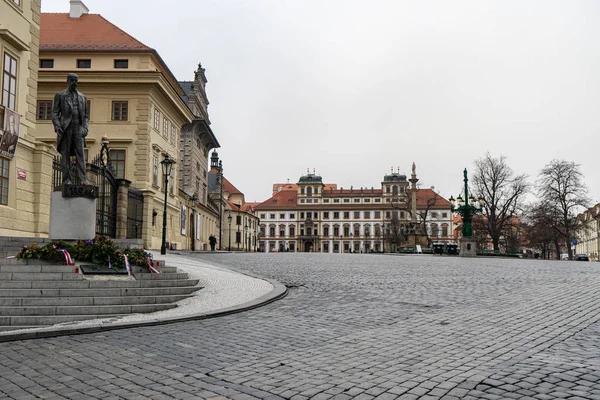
x=313 y=216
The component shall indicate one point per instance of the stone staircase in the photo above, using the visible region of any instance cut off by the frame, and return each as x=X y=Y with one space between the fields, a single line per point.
x=37 y=294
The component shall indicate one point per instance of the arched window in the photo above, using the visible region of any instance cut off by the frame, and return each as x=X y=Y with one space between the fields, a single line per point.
x=309 y=191
x=395 y=190
x=444 y=229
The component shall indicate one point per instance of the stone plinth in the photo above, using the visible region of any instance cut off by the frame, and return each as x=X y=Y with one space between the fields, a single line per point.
x=468 y=247
x=72 y=217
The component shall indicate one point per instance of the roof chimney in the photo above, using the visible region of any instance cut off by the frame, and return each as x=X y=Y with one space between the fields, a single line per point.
x=77 y=9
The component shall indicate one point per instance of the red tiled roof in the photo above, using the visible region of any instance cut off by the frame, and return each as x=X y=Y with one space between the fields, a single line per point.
x=229 y=188
x=89 y=32
x=283 y=199
x=423 y=195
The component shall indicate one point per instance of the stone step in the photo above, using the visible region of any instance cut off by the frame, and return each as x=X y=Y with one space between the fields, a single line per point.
x=89 y=284
x=83 y=310
x=14 y=328
x=37 y=266
x=40 y=276
x=99 y=292
x=89 y=301
x=35 y=320
x=164 y=275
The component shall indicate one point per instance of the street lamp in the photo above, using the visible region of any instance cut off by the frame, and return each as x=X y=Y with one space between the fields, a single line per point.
x=220 y=178
x=193 y=200
x=167 y=167
x=256 y=239
x=467 y=211
x=245 y=237
x=238 y=237
x=229 y=218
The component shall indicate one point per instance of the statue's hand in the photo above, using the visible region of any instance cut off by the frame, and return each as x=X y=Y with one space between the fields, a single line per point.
x=59 y=131
x=84 y=132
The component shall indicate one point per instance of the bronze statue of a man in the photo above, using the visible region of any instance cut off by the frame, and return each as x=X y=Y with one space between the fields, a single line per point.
x=71 y=118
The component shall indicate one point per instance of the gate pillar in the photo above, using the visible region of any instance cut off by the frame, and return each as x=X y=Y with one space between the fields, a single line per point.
x=122 y=202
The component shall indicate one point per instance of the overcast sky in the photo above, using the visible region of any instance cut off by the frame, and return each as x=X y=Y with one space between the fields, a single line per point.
x=352 y=88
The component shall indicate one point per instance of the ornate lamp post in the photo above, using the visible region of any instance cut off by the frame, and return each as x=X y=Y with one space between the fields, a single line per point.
x=467 y=211
x=220 y=178
x=167 y=167
x=193 y=201
x=238 y=237
x=229 y=218
x=245 y=237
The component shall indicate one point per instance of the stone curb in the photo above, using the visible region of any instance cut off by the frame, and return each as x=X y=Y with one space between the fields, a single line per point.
x=279 y=292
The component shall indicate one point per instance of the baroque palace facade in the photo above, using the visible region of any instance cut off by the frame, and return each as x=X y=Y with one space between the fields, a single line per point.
x=312 y=216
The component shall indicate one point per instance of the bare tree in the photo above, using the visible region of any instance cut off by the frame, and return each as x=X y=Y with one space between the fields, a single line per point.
x=561 y=186
x=502 y=192
x=541 y=221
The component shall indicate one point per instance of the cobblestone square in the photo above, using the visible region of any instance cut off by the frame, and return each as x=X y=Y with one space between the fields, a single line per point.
x=352 y=326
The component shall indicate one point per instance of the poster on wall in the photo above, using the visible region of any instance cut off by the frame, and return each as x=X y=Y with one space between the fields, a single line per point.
x=197 y=226
x=10 y=137
x=183 y=219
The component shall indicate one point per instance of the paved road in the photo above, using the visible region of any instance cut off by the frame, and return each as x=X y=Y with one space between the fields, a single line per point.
x=353 y=326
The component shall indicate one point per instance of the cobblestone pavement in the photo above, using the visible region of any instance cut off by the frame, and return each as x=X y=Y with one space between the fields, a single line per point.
x=353 y=326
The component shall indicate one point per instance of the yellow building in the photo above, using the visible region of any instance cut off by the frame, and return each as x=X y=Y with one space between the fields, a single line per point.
x=135 y=100
x=25 y=165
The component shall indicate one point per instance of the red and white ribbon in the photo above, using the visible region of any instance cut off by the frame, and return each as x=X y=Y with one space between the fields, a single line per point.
x=127 y=266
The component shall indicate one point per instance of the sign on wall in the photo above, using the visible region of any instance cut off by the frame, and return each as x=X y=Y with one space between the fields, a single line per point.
x=183 y=219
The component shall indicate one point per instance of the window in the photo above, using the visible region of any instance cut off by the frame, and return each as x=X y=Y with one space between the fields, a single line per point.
x=326 y=215
x=367 y=214
x=292 y=230
x=301 y=215
x=84 y=63
x=336 y=200
x=315 y=215
x=156 y=118
x=444 y=230
x=117 y=157
x=367 y=200
x=301 y=200
x=292 y=215
x=9 y=82
x=434 y=215
x=281 y=216
x=377 y=200
x=48 y=63
x=301 y=190
x=402 y=214
x=121 y=63
x=165 y=127
x=281 y=231
x=325 y=200
x=119 y=110
x=301 y=231
x=326 y=247
x=325 y=231
x=336 y=231
x=377 y=214
x=263 y=216
x=173 y=134
x=388 y=215
x=356 y=214
x=357 y=200
x=336 y=215
x=444 y=215
x=44 y=110
x=238 y=219
x=155 y=171
x=387 y=200
x=346 y=231
x=346 y=214
x=4 y=164
x=272 y=231
x=346 y=200
x=272 y=216
x=17 y=2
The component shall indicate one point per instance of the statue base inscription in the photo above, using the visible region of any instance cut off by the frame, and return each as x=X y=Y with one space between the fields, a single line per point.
x=88 y=191
x=72 y=218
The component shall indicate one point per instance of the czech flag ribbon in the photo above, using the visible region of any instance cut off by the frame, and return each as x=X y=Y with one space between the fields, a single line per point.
x=127 y=266
x=68 y=259
x=151 y=268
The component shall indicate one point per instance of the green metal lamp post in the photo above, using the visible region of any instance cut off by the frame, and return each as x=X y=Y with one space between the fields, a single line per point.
x=466 y=210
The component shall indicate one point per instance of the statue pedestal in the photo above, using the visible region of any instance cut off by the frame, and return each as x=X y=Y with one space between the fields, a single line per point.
x=468 y=247
x=72 y=218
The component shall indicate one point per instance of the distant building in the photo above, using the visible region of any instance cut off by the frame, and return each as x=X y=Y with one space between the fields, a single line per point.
x=137 y=102
x=587 y=233
x=312 y=216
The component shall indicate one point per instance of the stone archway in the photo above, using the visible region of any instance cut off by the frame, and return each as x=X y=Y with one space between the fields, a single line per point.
x=308 y=247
